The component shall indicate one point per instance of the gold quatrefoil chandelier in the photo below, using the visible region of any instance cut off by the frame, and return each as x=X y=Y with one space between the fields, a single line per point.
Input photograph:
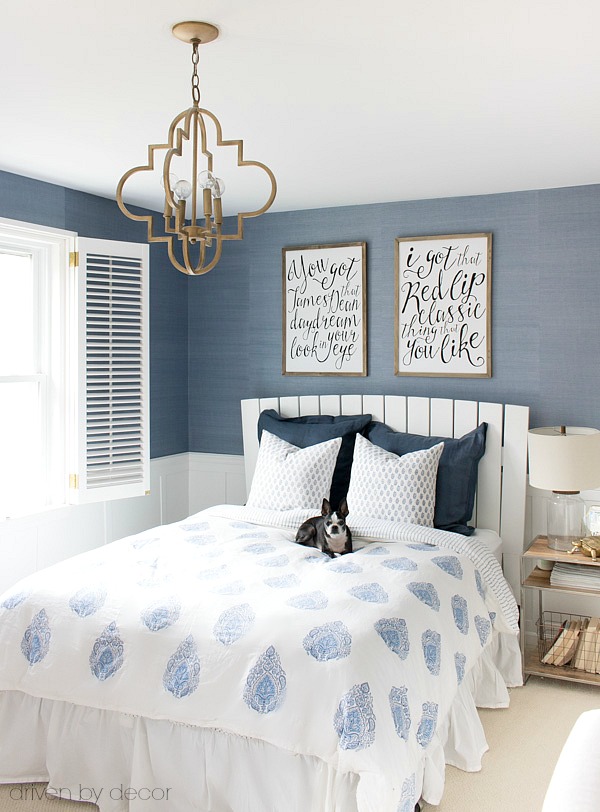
x=193 y=212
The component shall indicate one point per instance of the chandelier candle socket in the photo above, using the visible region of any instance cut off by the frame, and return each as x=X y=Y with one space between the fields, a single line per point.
x=193 y=210
x=564 y=460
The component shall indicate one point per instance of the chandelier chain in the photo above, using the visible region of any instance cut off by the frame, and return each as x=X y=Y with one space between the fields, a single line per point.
x=195 y=77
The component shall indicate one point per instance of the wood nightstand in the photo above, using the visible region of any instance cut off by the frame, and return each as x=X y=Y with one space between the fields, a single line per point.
x=532 y=577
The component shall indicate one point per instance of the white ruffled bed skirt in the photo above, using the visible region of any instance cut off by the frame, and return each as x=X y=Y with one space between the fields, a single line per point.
x=133 y=764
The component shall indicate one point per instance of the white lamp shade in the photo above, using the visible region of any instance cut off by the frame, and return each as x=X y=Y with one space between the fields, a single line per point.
x=564 y=462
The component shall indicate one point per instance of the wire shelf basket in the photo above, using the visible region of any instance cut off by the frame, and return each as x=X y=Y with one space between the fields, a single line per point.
x=569 y=641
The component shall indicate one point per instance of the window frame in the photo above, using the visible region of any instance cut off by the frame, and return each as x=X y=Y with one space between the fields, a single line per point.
x=50 y=249
x=60 y=344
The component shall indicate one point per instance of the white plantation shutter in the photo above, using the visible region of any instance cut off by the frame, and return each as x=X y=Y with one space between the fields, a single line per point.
x=112 y=459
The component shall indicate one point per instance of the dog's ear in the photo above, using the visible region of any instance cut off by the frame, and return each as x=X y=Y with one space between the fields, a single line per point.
x=343 y=508
x=325 y=508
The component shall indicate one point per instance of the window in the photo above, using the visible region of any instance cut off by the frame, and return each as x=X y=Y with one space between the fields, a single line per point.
x=73 y=369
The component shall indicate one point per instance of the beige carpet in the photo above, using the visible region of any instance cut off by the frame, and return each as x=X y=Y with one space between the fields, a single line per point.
x=524 y=741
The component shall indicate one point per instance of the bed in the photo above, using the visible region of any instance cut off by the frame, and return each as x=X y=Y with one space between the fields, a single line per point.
x=213 y=664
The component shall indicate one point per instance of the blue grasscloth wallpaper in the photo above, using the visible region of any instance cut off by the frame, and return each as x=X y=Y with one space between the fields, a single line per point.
x=545 y=308
x=217 y=338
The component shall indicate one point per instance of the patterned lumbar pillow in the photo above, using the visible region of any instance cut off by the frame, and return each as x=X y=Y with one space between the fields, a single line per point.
x=289 y=477
x=386 y=486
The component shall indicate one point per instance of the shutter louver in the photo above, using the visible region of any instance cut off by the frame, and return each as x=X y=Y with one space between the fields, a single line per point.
x=113 y=380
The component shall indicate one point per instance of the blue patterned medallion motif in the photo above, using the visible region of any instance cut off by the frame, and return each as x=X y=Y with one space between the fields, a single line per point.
x=259 y=548
x=107 y=653
x=233 y=623
x=400 y=563
x=450 y=564
x=160 y=614
x=195 y=526
x=460 y=661
x=233 y=588
x=182 y=673
x=370 y=593
x=354 y=720
x=400 y=711
x=283 y=581
x=265 y=684
x=479 y=584
x=394 y=633
x=14 y=600
x=256 y=534
x=275 y=561
x=331 y=641
x=213 y=552
x=461 y=615
x=36 y=640
x=346 y=567
x=309 y=600
x=87 y=601
x=407 y=796
x=426 y=593
x=201 y=540
x=428 y=723
x=432 y=651
x=484 y=627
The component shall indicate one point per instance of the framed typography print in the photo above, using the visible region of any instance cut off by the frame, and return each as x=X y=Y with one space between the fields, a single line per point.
x=443 y=306
x=324 y=310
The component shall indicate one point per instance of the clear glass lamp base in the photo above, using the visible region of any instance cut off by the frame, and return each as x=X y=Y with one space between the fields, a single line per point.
x=565 y=520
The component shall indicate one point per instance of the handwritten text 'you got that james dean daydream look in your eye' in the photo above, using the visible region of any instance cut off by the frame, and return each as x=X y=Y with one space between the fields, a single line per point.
x=323 y=311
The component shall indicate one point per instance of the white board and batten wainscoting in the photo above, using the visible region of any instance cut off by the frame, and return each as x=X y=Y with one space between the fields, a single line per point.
x=183 y=484
x=180 y=484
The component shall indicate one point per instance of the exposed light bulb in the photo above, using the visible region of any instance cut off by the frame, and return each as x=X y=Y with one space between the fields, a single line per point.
x=172 y=180
x=218 y=187
x=206 y=179
x=182 y=189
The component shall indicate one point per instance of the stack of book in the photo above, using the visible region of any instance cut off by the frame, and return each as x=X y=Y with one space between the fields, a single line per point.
x=577 y=644
x=578 y=576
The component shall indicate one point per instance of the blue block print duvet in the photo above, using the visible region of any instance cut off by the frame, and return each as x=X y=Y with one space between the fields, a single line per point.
x=222 y=621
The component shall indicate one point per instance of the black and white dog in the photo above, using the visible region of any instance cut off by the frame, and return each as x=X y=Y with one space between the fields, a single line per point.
x=328 y=532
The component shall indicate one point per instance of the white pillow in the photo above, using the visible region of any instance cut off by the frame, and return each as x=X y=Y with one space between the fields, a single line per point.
x=289 y=477
x=386 y=486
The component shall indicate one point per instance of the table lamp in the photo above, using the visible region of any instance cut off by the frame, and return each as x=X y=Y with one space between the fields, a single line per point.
x=564 y=460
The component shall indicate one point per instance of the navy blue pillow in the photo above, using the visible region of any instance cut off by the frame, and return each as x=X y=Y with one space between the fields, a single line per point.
x=317 y=428
x=457 y=470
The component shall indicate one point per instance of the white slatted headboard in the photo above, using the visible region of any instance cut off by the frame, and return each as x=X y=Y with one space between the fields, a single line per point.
x=501 y=486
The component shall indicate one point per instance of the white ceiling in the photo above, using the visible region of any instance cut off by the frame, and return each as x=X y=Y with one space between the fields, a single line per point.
x=346 y=102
